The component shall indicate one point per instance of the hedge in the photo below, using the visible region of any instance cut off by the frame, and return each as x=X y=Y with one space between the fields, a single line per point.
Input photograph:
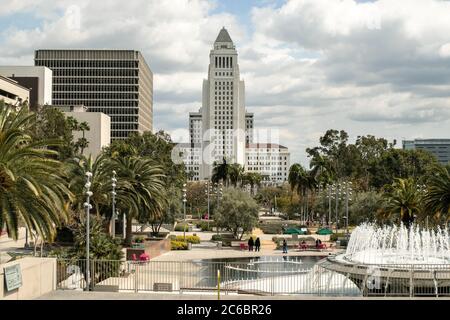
x=179 y=227
x=190 y=239
x=178 y=245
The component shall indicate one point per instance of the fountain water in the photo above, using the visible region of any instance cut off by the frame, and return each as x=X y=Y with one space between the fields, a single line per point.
x=396 y=260
x=370 y=244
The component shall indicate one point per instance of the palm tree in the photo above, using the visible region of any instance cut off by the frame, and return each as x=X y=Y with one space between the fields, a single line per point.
x=253 y=179
x=403 y=199
x=140 y=189
x=221 y=172
x=437 y=197
x=235 y=173
x=32 y=188
x=322 y=170
x=100 y=181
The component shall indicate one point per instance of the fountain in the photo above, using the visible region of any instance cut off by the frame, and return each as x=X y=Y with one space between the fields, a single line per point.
x=395 y=260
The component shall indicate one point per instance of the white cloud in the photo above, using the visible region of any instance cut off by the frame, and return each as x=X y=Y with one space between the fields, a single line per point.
x=377 y=67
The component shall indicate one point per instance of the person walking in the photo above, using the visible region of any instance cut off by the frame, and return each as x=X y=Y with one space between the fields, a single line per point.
x=257 y=244
x=250 y=244
x=285 y=246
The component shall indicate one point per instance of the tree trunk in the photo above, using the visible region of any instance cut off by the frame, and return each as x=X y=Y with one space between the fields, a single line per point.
x=128 y=235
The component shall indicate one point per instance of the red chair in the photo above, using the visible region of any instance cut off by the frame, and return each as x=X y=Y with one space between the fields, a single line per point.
x=243 y=246
x=144 y=257
x=134 y=257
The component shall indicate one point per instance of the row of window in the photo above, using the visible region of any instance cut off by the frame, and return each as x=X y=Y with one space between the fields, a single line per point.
x=95 y=80
x=87 y=64
x=224 y=74
x=95 y=72
x=223 y=62
x=96 y=96
x=94 y=88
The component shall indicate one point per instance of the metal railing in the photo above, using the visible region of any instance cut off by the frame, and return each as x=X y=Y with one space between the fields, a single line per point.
x=258 y=278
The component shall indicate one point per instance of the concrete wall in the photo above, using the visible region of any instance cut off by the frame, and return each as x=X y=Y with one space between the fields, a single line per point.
x=99 y=134
x=38 y=278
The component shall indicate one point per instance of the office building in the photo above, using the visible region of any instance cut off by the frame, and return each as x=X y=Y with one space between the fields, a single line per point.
x=440 y=148
x=37 y=79
x=118 y=83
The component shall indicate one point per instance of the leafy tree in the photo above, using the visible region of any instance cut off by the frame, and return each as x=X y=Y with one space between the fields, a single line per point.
x=403 y=201
x=32 y=187
x=51 y=123
x=437 y=197
x=397 y=163
x=196 y=198
x=237 y=213
x=140 y=190
x=366 y=206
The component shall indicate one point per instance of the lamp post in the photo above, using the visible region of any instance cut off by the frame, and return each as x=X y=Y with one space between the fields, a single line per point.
x=113 y=193
x=184 y=210
x=88 y=207
x=348 y=193
x=207 y=195
x=330 y=190
x=219 y=197
x=337 y=186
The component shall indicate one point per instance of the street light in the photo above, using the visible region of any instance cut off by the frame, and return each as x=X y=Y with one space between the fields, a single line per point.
x=88 y=207
x=113 y=193
x=348 y=193
x=184 y=209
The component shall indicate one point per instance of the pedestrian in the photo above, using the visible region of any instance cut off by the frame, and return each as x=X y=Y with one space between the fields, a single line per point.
x=257 y=244
x=250 y=244
x=285 y=246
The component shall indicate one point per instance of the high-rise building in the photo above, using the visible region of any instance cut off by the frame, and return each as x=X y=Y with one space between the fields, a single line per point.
x=222 y=129
x=118 y=83
x=440 y=148
x=195 y=127
x=37 y=79
x=223 y=109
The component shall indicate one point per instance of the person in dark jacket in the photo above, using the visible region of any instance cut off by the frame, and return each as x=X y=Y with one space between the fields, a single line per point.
x=250 y=244
x=257 y=244
x=285 y=246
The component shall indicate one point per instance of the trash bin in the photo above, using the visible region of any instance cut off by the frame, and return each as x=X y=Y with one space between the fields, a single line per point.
x=219 y=245
x=189 y=246
x=338 y=243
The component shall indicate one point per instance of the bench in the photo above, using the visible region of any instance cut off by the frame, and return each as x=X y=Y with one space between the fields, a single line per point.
x=240 y=244
x=312 y=245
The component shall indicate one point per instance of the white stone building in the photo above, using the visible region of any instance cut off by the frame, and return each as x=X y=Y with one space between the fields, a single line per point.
x=222 y=128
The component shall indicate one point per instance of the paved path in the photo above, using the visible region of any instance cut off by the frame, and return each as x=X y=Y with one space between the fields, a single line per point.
x=204 y=253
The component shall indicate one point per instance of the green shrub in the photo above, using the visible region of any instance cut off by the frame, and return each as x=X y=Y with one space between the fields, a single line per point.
x=216 y=237
x=191 y=239
x=335 y=236
x=172 y=237
x=139 y=239
x=205 y=226
x=179 y=227
x=178 y=245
